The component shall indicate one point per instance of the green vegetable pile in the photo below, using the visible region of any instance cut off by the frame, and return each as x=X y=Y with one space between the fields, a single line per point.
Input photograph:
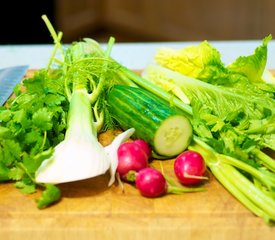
x=63 y=107
x=48 y=131
x=232 y=111
x=233 y=116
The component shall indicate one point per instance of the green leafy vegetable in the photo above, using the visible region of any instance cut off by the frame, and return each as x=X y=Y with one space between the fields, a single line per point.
x=28 y=129
x=202 y=61
x=51 y=194
x=48 y=131
x=233 y=115
x=217 y=105
x=230 y=107
x=252 y=66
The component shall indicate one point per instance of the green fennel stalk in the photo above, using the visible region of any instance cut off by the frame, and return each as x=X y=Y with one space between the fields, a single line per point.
x=80 y=155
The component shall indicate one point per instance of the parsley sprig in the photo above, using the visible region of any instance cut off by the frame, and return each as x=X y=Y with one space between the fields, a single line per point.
x=31 y=124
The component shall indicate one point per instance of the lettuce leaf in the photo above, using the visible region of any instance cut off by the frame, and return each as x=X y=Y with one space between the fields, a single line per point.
x=202 y=61
x=249 y=112
x=252 y=66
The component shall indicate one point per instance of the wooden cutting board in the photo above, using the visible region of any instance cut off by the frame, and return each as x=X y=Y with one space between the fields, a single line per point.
x=90 y=210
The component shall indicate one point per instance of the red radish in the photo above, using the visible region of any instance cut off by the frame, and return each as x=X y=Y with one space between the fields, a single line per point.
x=189 y=167
x=144 y=145
x=151 y=183
x=131 y=157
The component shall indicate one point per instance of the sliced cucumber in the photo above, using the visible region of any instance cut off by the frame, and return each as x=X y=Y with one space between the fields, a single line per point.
x=173 y=136
x=167 y=130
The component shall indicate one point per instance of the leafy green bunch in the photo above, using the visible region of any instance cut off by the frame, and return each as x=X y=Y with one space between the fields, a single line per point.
x=36 y=119
x=232 y=113
x=31 y=123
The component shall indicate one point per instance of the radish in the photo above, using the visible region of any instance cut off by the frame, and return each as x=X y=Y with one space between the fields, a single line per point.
x=144 y=145
x=131 y=157
x=151 y=183
x=190 y=167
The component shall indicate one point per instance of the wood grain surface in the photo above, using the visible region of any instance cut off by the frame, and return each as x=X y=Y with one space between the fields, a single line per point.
x=90 y=210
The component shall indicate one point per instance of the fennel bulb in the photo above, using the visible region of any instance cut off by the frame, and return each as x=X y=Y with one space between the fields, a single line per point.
x=80 y=156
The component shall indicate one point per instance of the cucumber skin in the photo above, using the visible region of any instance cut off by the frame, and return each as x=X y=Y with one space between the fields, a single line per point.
x=140 y=109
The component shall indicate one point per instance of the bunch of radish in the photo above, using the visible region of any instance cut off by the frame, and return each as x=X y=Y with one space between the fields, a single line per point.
x=133 y=166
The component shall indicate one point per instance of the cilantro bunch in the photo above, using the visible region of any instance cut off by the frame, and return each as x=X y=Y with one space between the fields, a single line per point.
x=31 y=124
x=54 y=118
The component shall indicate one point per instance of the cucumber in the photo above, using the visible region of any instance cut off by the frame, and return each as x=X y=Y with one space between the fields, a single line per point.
x=167 y=130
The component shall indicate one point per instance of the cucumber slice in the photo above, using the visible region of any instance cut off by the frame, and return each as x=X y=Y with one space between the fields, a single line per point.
x=173 y=136
x=165 y=128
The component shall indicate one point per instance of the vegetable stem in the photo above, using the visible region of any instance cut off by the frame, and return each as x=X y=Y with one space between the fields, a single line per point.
x=56 y=38
x=102 y=79
x=222 y=175
x=260 y=203
x=173 y=188
x=267 y=179
x=80 y=118
x=255 y=195
x=265 y=159
x=157 y=91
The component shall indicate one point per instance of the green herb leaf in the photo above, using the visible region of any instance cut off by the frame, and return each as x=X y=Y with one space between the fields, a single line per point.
x=50 y=195
x=42 y=119
x=4 y=172
x=26 y=188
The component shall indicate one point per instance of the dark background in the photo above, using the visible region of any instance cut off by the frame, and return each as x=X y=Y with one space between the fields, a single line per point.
x=136 y=20
x=21 y=22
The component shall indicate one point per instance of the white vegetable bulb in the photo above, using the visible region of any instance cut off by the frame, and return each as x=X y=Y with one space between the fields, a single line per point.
x=72 y=160
x=80 y=155
x=90 y=159
x=112 y=151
